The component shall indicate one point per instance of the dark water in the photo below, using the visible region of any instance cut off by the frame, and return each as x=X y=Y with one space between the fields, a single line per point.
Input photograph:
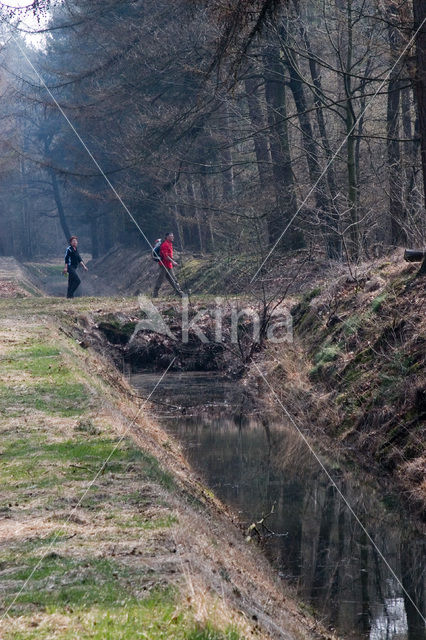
x=257 y=463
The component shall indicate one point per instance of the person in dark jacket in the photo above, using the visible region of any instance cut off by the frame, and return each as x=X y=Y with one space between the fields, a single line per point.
x=72 y=260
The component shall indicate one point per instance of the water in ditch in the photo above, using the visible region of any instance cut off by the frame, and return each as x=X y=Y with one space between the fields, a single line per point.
x=259 y=466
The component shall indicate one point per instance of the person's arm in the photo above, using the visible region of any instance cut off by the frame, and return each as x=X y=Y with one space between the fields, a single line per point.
x=170 y=257
x=80 y=259
x=66 y=262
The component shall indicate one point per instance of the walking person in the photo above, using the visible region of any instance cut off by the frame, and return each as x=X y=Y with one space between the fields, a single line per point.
x=165 y=265
x=72 y=260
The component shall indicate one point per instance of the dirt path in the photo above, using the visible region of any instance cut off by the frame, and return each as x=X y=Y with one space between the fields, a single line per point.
x=104 y=530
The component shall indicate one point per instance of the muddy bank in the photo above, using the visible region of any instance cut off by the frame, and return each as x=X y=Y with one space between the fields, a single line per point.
x=170 y=334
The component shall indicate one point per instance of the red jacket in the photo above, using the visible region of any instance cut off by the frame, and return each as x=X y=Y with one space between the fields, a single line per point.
x=166 y=253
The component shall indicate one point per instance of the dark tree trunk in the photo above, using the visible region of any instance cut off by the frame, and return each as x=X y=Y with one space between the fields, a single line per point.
x=365 y=615
x=334 y=245
x=419 y=10
x=194 y=231
x=226 y=158
x=322 y=200
x=206 y=227
x=280 y=153
x=263 y=156
x=398 y=235
x=59 y=205
x=27 y=239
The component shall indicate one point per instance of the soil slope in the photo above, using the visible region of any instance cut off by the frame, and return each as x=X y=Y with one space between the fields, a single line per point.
x=356 y=371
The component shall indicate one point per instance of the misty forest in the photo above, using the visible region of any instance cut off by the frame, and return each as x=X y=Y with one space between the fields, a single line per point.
x=213 y=409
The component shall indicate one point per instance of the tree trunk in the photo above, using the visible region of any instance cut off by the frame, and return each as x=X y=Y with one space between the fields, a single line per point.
x=398 y=235
x=193 y=213
x=419 y=10
x=263 y=156
x=204 y=190
x=334 y=244
x=59 y=205
x=322 y=200
x=226 y=158
x=365 y=615
x=323 y=548
x=412 y=573
x=280 y=153
x=27 y=243
x=351 y=140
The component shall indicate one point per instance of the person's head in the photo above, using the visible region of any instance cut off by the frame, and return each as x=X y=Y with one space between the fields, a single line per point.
x=73 y=241
x=170 y=236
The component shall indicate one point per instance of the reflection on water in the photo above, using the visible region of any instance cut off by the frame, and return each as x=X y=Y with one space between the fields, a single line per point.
x=254 y=462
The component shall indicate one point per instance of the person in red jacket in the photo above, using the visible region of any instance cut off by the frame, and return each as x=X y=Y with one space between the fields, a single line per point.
x=165 y=265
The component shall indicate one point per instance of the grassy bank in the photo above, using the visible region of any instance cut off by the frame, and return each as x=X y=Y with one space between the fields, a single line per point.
x=356 y=370
x=104 y=530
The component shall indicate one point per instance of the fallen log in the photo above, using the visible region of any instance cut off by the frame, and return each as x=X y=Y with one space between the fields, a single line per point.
x=414 y=255
x=417 y=255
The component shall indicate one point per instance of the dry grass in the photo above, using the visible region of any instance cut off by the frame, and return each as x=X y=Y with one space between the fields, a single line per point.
x=356 y=370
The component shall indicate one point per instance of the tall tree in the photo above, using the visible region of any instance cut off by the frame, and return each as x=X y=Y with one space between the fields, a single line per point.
x=419 y=11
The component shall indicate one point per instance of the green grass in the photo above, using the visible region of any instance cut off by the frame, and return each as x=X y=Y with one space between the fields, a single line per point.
x=38 y=360
x=113 y=613
x=63 y=398
x=32 y=459
x=352 y=324
x=327 y=353
x=47 y=384
x=55 y=581
x=377 y=303
x=44 y=270
x=310 y=295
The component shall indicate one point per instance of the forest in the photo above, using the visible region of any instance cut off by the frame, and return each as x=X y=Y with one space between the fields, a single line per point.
x=240 y=126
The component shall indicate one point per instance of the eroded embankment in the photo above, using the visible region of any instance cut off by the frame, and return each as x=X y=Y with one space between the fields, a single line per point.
x=105 y=531
x=355 y=372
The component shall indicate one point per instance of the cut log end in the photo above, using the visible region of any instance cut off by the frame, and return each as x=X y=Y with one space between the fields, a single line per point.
x=414 y=255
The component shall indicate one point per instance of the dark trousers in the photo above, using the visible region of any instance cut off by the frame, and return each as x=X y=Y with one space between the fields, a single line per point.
x=73 y=282
x=168 y=274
